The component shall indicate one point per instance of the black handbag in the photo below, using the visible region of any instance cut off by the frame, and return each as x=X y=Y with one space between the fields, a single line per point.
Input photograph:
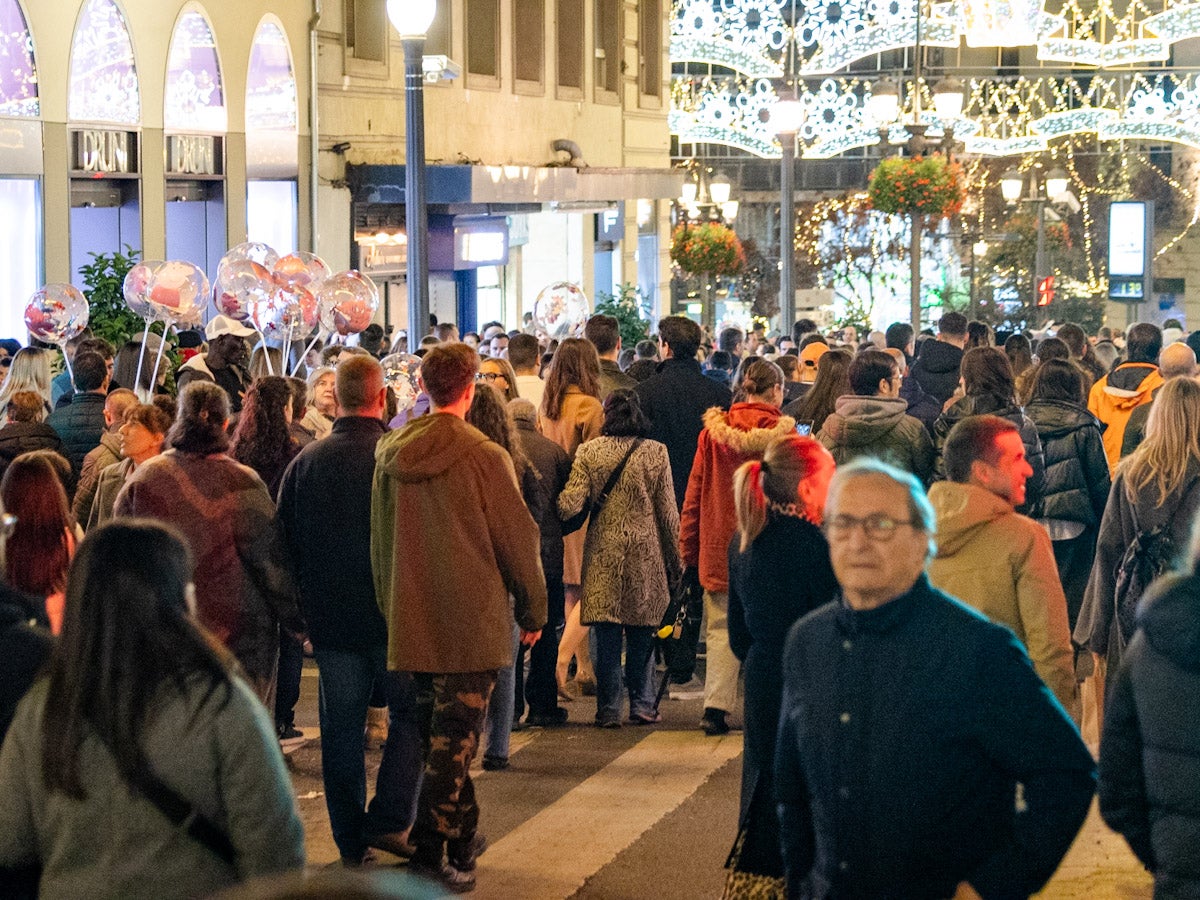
x=591 y=508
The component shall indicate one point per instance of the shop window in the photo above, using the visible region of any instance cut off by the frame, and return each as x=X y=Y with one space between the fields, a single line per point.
x=650 y=48
x=18 y=75
x=20 y=251
x=608 y=49
x=195 y=100
x=437 y=38
x=104 y=83
x=367 y=31
x=271 y=214
x=529 y=45
x=272 y=151
x=490 y=294
x=569 y=28
x=270 y=83
x=483 y=43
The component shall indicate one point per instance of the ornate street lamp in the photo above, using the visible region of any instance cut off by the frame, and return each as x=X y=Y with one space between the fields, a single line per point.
x=787 y=118
x=1052 y=190
x=412 y=18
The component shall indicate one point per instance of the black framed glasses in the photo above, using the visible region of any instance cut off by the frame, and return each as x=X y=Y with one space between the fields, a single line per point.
x=877 y=526
x=489 y=376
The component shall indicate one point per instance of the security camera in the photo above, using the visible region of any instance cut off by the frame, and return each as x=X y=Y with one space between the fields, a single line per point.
x=1068 y=201
x=439 y=68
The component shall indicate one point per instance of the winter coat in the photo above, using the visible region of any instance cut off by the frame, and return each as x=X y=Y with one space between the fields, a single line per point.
x=106 y=454
x=708 y=518
x=325 y=520
x=553 y=468
x=612 y=379
x=991 y=406
x=108 y=486
x=1150 y=751
x=219 y=753
x=903 y=734
x=234 y=379
x=631 y=556
x=25 y=645
x=243 y=589
x=936 y=369
x=1076 y=483
x=1115 y=396
x=675 y=400
x=1097 y=629
x=316 y=423
x=22 y=437
x=580 y=419
x=79 y=424
x=451 y=539
x=878 y=427
x=1135 y=428
x=1002 y=564
x=922 y=406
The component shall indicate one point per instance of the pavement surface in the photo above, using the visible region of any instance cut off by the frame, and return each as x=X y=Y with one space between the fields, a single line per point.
x=627 y=814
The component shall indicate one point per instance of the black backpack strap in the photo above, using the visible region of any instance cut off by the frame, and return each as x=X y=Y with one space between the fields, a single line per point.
x=184 y=815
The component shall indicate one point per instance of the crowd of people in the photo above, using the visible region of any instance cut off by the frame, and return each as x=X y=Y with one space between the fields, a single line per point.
x=922 y=569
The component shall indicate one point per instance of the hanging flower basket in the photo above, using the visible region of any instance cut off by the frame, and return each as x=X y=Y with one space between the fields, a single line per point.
x=918 y=185
x=709 y=249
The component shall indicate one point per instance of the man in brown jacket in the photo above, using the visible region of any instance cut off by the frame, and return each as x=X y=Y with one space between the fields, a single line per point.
x=451 y=539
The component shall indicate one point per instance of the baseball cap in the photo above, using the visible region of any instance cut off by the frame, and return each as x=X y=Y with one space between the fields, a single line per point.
x=220 y=325
x=814 y=351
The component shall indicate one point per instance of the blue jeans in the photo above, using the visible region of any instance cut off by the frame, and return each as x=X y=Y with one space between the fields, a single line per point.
x=346 y=679
x=501 y=709
x=639 y=662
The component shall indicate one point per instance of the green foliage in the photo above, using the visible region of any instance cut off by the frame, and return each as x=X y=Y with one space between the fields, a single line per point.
x=920 y=185
x=858 y=315
x=109 y=317
x=631 y=308
x=709 y=248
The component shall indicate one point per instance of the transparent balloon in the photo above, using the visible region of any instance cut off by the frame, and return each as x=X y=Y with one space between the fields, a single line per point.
x=560 y=310
x=178 y=291
x=251 y=251
x=301 y=268
x=400 y=374
x=241 y=286
x=136 y=287
x=300 y=308
x=269 y=314
x=56 y=313
x=347 y=302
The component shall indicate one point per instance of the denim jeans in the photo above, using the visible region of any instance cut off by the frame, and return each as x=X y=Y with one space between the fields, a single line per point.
x=639 y=662
x=287 y=679
x=346 y=680
x=501 y=709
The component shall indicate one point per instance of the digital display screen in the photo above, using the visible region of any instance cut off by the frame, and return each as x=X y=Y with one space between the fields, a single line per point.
x=1127 y=239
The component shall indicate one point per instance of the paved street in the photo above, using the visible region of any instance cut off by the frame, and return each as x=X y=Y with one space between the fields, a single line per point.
x=638 y=812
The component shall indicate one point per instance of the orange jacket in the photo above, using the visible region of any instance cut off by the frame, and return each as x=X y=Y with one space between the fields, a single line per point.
x=1118 y=394
x=709 y=519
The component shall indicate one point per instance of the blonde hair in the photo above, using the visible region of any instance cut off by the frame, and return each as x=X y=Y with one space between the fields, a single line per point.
x=258 y=362
x=29 y=371
x=775 y=479
x=310 y=395
x=1172 y=441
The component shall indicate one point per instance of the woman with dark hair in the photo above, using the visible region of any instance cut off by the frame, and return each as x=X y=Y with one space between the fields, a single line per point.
x=631 y=555
x=709 y=518
x=262 y=439
x=979 y=334
x=141 y=713
x=987 y=388
x=141 y=436
x=243 y=592
x=43 y=540
x=1020 y=354
x=780 y=505
x=1076 y=487
x=833 y=381
x=571 y=414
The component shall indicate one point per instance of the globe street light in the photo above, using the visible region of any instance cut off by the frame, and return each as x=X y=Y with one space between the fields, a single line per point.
x=412 y=18
x=1053 y=190
x=787 y=118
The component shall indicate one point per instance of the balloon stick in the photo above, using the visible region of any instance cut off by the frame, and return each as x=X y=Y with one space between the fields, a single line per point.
x=307 y=350
x=137 y=379
x=158 y=358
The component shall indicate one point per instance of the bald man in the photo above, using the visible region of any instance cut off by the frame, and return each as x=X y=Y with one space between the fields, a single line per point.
x=1176 y=360
x=105 y=454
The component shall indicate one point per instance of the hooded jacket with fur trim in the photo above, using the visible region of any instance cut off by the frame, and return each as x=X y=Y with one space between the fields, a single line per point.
x=709 y=518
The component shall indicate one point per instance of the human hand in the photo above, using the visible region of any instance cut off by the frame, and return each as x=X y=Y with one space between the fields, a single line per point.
x=529 y=638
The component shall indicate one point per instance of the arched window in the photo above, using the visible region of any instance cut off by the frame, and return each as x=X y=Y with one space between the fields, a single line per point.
x=271 y=83
x=272 y=152
x=104 y=83
x=18 y=74
x=195 y=98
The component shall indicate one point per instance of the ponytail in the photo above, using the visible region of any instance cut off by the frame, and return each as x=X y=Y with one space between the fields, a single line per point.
x=750 y=502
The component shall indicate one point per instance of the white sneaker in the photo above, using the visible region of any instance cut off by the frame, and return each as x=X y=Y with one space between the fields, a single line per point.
x=692 y=689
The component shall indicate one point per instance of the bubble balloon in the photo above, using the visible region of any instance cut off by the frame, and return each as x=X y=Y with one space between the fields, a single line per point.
x=178 y=291
x=251 y=251
x=56 y=313
x=348 y=302
x=400 y=374
x=268 y=314
x=561 y=309
x=301 y=268
x=241 y=286
x=136 y=287
x=300 y=308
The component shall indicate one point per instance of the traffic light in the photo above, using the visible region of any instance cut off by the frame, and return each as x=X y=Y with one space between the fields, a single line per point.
x=1045 y=291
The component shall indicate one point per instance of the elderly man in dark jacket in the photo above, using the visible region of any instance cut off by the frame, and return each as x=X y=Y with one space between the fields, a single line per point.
x=1150 y=752
x=80 y=423
x=325 y=518
x=899 y=756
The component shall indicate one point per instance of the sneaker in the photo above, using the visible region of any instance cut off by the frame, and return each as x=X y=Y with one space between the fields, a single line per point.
x=692 y=689
x=395 y=843
x=713 y=722
x=608 y=723
x=450 y=878
x=553 y=719
x=652 y=717
x=495 y=763
x=462 y=854
x=289 y=735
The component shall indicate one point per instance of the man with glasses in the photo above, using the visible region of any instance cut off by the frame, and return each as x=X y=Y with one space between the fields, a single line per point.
x=908 y=721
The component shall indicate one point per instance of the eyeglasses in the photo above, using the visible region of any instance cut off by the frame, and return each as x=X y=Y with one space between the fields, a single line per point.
x=8 y=522
x=877 y=527
x=490 y=376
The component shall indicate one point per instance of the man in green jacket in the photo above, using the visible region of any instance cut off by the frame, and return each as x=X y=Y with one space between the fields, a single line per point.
x=451 y=540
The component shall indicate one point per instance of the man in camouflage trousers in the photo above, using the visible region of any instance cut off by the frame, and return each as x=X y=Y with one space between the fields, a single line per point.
x=451 y=539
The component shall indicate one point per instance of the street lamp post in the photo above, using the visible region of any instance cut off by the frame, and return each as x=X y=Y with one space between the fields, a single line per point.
x=1056 y=185
x=787 y=117
x=412 y=18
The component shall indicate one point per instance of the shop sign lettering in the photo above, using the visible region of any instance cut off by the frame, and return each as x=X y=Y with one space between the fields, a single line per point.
x=103 y=152
x=190 y=154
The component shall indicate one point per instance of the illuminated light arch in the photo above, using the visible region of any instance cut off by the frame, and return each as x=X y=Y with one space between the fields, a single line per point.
x=18 y=68
x=104 y=81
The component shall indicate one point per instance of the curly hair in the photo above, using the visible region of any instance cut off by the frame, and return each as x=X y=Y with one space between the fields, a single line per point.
x=261 y=440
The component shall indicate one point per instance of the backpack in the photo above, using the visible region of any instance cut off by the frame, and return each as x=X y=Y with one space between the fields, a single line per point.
x=1151 y=554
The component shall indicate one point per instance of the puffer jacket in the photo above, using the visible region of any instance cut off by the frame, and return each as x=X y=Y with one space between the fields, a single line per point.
x=1076 y=483
x=22 y=437
x=986 y=405
x=1150 y=751
x=1114 y=397
x=879 y=427
x=936 y=368
x=708 y=518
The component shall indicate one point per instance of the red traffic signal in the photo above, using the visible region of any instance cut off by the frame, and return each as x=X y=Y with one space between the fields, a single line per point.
x=1045 y=291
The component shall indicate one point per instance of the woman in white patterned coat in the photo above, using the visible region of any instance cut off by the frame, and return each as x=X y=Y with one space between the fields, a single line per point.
x=631 y=554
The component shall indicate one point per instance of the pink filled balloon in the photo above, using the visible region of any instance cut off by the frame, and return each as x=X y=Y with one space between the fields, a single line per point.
x=241 y=286
x=56 y=313
x=178 y=291
x=348 y=301
x=301 y=268
x=136 y=287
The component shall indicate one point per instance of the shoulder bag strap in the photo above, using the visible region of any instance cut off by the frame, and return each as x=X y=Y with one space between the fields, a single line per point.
x=183 y=814
x=612 y=480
